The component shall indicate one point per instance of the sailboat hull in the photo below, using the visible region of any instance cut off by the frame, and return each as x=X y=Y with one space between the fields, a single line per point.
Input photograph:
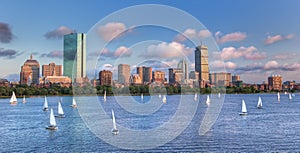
x=243 y=113
x=60 y=116
x=115 y=131
x=50 y=127
x=45 y=109
x=13 y=103
x=259 y=107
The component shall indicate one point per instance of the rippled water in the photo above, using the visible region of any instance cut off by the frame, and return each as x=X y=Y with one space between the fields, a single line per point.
x=274 y=128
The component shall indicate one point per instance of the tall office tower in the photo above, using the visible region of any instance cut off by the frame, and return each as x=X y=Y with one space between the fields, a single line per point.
x=123 y=74
x=183 y=65
x=275 y=82
x=75 y=55
x=201 y=62
x=139 y=71
x=105 y=77
x=51 y=70
x=145 y=74
x=30 y=72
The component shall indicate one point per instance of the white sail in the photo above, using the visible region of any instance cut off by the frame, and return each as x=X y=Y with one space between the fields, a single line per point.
x=159 y=96
x=207 y=100
x=219 y=95
x=52 y=118
x=24 y=99
x=45 y=103
x=164 y=100
x=104 y=97
x=259 y=103
x=195 y=97
x=74 y=102
x=13 y=98
x=60 y=109
x=278 y=96
x=244 y=109
x=142 y=97
x=290 y=96
x=114 y=120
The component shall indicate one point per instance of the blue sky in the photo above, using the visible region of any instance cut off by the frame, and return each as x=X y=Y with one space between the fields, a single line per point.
x=256 y=38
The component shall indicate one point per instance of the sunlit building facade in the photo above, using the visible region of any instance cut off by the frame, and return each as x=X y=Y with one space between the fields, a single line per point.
x=30 y=72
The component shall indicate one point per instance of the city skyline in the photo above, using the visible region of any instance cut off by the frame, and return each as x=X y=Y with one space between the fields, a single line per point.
x=255 y=42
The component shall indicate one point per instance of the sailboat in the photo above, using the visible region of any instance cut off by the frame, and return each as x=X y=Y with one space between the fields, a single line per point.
x=164 y=100
x=159 y=96
x=74 y=105
x=24 y=99
x=52 y=125
x=45 y=104
x=259 y=103
x=207 y=100
x=13 y=99
x=114 y=131
x=60 y=111
x=244 y=109
x=104 y=96
x=195 y=97
x=278 y=96
x=290 y=96
x=219 y=95
x=142 y=97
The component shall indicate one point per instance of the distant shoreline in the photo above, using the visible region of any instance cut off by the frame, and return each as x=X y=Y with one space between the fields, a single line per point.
x=189 y=93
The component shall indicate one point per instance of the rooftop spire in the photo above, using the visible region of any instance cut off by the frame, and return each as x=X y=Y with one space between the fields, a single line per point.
x=31 y=56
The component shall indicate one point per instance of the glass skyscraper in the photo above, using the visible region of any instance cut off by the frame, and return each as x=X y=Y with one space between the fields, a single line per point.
x=74 y=65
x=201 y=62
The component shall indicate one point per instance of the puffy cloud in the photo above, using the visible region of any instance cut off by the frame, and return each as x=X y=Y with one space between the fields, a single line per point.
x=249 y=53
x=221 y=65
x=53 y=54
x=6 y=35
x=268 y=66
x=9 y=53
x=111 y=30
x=122 y=51
x=192 y=34
x=271 y=65
x=284 y=56
x=273 y=39
x=58 y=32
x=231 y=37
x=167 y=50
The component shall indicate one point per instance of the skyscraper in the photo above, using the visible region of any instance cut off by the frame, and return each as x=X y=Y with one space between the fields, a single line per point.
x=75 y=55
x=105 y=77
x=145 y=74
x=275 y=82
x=30 y=72
x=51 y=70
x=123 y=74
x=183 y=65
x=201 y=62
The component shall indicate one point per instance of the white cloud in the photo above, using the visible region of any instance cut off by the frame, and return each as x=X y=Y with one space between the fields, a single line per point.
x=271 y=65
x=192 y=34
x=58 y=32
x=249 y=53
x=231 y=37
x=122 y=51
x=221 y=65
x=273 y=39
x=168 y=50
x=111 y=30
